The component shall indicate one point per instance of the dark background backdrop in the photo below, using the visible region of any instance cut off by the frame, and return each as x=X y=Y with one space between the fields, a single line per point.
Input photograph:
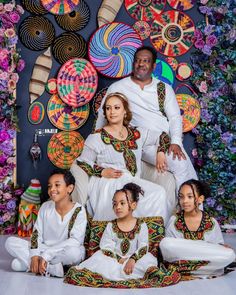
x=25 y=168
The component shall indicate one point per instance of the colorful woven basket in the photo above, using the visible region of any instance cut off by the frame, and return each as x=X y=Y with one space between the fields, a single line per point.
x=172 y=33
x=189 y=107
x=36 y=113
x=76 y=19
x=60 y=6
x=163 y=72
x=98 y=99
x=143 y=29
x=64 y=147
x=172 y=62
x=182 y=4
x=68 y=45
x=184 y=71
x=111 y=49
x=77 y=82
x=64 y=116
x=51 y=86
x=146 y=10
x=36 y=32
x=34 y=6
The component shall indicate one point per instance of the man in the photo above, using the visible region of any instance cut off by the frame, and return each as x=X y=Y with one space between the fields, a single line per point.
x=154 y=106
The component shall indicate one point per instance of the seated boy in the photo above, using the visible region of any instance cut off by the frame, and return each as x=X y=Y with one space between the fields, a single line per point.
x=58 y=234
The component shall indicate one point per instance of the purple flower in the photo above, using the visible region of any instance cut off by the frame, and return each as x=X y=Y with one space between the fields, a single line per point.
x=14 y=17
x=210 y=202
x=199 y=44
x=205 y=115
x=12 y=41
x=207 y=50
x=20 y=65
x=219 y=208
x=211 y=40
x=198 y=34
x=11 y=205
x=205 y=10
x=3 y=159
x=227 y=137
x=2 y=207
x=209 y=29
x=1 y=220
x=221 y=191
x=4 y=136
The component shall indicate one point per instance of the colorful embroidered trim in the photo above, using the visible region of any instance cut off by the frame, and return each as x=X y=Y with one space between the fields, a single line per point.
x=34 y=239
x=207 y=224
x=72 y=220
x=124 y=146
x=141 y=252
x=161 y=94
x=164 y=143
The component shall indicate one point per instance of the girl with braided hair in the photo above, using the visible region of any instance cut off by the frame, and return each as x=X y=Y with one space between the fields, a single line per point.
x=123 y=250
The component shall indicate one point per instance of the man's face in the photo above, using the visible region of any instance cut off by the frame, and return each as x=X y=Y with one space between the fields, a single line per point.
x=143 y=65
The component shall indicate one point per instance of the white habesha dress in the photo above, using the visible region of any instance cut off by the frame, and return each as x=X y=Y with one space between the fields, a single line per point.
x=116 y=244
x=202 y=245
x=102 y=150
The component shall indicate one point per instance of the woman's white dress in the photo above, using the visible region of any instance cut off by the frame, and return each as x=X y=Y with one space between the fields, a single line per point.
x=202 y=245
x=116 y=244
x=102 y=150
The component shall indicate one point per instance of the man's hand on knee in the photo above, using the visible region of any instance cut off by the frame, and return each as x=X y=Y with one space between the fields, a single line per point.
x=177 y=152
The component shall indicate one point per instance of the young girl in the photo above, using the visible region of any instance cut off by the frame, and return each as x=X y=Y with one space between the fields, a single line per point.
x=193 y=235
x=58 y=233
x=123 y=250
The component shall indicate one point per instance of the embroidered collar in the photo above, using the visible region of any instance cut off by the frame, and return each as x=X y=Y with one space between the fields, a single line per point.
x=206 y=224
x=124 y=146
x=126 y=235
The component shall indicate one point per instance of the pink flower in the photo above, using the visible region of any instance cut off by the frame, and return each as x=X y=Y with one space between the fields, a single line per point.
x=199 y=44
x=211 y=40
x=7 y=196
x=14 y=17
x=9 y=33
x=194 y=153
x=204 y=2
x=11 y=160
x=203 y=87
x=9 y=7
x=15 y=77
x=20 y=65
x=6 y=216
x=3 y=75
x=19 y=9
x=2 y=31
x=11 y=85
x=4 y=136
x=198 y=34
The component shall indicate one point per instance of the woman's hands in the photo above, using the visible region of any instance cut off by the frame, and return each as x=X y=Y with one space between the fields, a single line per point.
x=111 y=173
x=161 y=162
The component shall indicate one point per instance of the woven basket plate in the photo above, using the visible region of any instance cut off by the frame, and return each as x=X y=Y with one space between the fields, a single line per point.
x=64 y=147
x=77 y=82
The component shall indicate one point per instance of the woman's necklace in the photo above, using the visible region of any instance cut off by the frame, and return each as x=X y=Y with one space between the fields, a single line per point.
x=121 y=135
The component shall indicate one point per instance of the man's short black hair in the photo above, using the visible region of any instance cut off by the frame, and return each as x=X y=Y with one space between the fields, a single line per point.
x=150 y=49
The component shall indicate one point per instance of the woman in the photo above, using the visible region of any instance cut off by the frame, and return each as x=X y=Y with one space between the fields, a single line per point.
x=112 y=157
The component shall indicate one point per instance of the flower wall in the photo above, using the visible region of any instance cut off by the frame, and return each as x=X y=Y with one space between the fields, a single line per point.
x=214 y=78
x=10 y=65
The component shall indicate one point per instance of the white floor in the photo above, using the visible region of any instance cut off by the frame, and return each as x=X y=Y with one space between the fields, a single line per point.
x=27 y=284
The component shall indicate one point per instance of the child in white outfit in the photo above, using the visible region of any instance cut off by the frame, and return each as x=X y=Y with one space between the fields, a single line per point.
x=58 y=234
